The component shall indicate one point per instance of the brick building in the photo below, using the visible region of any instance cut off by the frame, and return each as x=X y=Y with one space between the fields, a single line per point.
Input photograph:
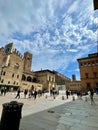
x=74 y=85
x=89 y=71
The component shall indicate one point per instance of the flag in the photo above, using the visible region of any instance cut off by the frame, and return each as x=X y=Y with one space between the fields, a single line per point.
x=95 y=2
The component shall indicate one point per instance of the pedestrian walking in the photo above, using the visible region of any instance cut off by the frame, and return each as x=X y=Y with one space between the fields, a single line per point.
x=18 y=94
x=29 y=93
x=25 y=93
x=35 y=94
x=67 y=93
x=2 y=91
x=92 y=97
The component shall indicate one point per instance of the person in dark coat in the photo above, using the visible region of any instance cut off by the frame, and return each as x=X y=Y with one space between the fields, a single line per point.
x=35 y=94
x=25 y=93
x=92 y=97
x=18 y=94
x=67 y=93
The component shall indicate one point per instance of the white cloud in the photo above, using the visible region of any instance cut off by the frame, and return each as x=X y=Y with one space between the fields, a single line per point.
x=73 y=7
x=57 y=32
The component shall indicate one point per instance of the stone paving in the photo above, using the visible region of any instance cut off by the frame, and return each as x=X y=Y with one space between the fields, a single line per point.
x=56 y=114
x=37 y=105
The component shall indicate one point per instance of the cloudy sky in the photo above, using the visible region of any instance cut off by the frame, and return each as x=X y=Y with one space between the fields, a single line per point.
x=56 y=32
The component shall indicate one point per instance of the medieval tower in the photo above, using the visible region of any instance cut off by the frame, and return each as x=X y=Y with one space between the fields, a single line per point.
x=27 y=61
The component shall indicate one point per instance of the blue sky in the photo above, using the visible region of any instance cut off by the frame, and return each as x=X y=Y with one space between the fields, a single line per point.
x=56 y=32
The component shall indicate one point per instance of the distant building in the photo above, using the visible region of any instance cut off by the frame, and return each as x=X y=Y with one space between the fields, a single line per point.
x=46 y=78
x=89 y=71
x=74 y=85
x=62 y=81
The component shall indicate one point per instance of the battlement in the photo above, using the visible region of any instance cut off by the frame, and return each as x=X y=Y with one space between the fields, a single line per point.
x=17 y=53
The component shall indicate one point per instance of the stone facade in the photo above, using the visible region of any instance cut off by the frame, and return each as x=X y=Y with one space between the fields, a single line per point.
x=15 y=71
x=46 y=78
x=14 y=67
x=12 y=72
x=62 y=82
x=89 y=71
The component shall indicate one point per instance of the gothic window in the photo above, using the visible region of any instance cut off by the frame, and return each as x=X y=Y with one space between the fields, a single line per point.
x=2 y=80
x=23 y=77
x=29 y=78
x=8 y=82
x=12 y=75
x=17 y=76
x=4 y=73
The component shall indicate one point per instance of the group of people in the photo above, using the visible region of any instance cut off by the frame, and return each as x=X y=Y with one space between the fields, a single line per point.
x=91 y=94
x=34 y=93
x=29 y=93
x=80 y=94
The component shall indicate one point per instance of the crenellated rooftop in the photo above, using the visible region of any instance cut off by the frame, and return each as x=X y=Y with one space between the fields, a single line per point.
x=17 y=53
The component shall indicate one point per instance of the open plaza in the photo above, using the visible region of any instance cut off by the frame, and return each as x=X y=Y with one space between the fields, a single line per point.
x=59 y=113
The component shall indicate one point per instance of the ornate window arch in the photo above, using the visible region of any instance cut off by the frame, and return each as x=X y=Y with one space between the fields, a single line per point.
x=23 y=77
x=29 y=78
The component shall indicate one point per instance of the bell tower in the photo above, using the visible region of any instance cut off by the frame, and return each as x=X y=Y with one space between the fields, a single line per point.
x=27 y=61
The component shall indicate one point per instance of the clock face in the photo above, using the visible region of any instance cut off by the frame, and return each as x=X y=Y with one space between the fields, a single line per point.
x=7 y=50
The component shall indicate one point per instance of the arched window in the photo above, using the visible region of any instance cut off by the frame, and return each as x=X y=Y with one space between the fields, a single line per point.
x=34 y=79
x=23 y=77
x=29 y=78
x=13 y=75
